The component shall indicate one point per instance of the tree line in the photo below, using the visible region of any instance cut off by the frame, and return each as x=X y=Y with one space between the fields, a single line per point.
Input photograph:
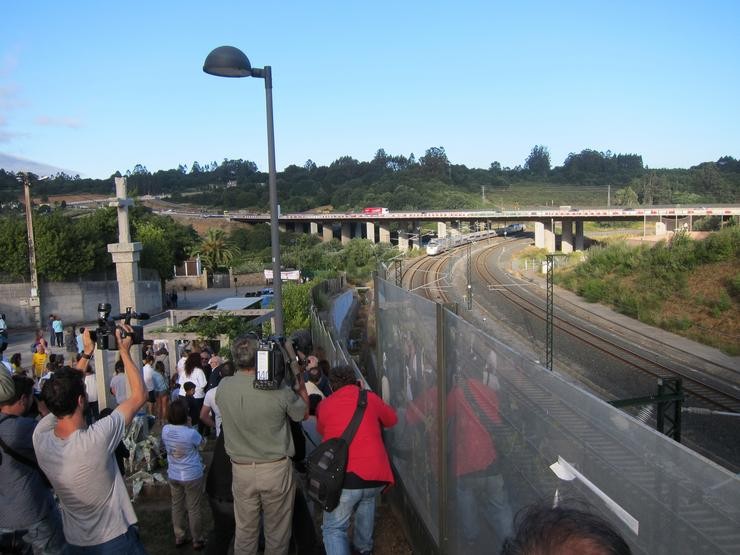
x=402 y=182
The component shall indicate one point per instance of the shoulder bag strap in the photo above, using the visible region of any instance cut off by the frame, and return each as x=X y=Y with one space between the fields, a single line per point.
x=15 y=454
x=351 y=430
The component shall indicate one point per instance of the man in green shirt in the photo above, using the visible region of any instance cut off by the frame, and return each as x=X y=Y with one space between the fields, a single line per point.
x=259 y=443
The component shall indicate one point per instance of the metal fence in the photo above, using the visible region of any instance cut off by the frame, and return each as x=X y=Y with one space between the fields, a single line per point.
x=484 y=432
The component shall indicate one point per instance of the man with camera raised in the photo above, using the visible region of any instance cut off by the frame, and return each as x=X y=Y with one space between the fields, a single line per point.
x=259 y=443
x=79 y=460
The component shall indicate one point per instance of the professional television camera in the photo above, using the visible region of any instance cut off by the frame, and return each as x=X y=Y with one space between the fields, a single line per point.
x=276 y=361
x=105 y=334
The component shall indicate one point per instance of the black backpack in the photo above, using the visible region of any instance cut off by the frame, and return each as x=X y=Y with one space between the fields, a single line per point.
x=327 y=464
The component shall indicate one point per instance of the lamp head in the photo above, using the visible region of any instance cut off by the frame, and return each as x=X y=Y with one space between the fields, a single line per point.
x=227 y=61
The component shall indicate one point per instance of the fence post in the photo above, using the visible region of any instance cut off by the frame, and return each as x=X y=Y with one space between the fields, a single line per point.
x=442 y=431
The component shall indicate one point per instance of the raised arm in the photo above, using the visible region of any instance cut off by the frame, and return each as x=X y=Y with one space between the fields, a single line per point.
x=138 y=396
x=88 y=347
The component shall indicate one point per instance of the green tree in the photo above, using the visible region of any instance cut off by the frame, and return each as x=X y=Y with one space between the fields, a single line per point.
x=626 y=197
x=538 y=161
x=62 y=252
x=13 y=237
x=215 y=250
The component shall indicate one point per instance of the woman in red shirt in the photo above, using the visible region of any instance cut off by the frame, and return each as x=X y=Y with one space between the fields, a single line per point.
x=368 y=469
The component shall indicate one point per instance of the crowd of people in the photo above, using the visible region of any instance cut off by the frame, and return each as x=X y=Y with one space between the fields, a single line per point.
x=74 y=498
x=62 y=487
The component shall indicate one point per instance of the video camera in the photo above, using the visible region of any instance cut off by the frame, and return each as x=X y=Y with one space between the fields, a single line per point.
x=105 y=334
x=276 y=361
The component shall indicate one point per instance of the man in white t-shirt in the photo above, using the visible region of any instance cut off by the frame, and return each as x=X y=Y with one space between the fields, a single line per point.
x=79 y=460
x=209 y=402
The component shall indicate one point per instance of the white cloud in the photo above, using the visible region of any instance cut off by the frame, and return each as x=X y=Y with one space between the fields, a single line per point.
x=50 y=121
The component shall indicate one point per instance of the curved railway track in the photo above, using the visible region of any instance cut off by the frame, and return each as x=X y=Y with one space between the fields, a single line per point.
x=430 y=277
x=702 y=389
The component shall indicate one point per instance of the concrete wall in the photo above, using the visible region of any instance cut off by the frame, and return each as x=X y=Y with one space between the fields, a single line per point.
x=74 y=302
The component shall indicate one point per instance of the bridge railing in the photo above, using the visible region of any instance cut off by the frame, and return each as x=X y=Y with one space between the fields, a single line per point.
x=484 y=432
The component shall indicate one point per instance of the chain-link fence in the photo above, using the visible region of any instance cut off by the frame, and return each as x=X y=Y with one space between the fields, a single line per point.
x=484 y=432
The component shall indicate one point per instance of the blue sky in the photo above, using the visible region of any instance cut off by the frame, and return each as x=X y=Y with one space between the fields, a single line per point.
x=96 y=87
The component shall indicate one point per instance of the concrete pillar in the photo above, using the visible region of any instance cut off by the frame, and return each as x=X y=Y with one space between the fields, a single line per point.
x=549 y=236
x=384 y=233
x=403 y=241
x=313 y=228
x=327 y=233
x=660 y=228
x=539 y=235
x=579 y=235
x=346 y=232
x=566 y=243
x=415 y=241
x=370 y=231
x=441 y=229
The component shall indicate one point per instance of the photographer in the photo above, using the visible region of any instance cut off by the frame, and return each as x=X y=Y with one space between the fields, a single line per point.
x=96 y=509
x=259 y=443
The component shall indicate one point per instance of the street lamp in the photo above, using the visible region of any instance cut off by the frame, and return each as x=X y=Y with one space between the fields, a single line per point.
x=227 y=61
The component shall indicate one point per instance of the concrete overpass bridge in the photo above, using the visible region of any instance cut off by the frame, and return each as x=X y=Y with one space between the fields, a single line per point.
x=405 y=225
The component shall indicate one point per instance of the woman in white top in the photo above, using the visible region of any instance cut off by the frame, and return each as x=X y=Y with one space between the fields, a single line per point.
x=192 y=372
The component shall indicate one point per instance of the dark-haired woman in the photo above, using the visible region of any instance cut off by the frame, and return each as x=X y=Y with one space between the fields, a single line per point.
x=192 y=372
x=185 y=473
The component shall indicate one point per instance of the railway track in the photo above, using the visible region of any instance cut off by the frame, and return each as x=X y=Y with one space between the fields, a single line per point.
x=709 y=395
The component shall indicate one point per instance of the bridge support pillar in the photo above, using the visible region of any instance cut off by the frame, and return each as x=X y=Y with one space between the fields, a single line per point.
x=346 y=232
x=416 y=241
x=313 y=228
x=442 y=229
x=370 y=230
x=579 y=235
x=327 y=232
x=566 y=243
x=384 y=233
x=539 y=235
x=403 y=241
x=549 y=236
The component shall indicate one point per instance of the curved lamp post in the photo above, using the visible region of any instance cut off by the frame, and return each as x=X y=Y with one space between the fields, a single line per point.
x=227 y=61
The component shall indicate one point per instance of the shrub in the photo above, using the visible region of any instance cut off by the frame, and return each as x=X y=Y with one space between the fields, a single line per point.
x=733 y=286
x=594 y=290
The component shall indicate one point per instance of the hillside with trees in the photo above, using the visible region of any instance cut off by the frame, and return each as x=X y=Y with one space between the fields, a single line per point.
x=402 y=182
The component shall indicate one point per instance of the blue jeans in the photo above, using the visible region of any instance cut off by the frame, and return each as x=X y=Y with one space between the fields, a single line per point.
x=46 y=535
x=483 y=497
x=336 y=523
x=125 y=544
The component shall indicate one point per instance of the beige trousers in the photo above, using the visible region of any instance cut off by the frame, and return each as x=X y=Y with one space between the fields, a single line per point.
x=187 y=497
x=268 y=487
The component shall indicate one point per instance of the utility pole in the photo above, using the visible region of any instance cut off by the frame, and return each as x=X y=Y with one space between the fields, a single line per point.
x=34 y=300
x=609 y=195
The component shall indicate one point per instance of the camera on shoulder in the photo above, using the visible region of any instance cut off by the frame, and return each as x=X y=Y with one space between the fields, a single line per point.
x=275 y=358
x=105 y=334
